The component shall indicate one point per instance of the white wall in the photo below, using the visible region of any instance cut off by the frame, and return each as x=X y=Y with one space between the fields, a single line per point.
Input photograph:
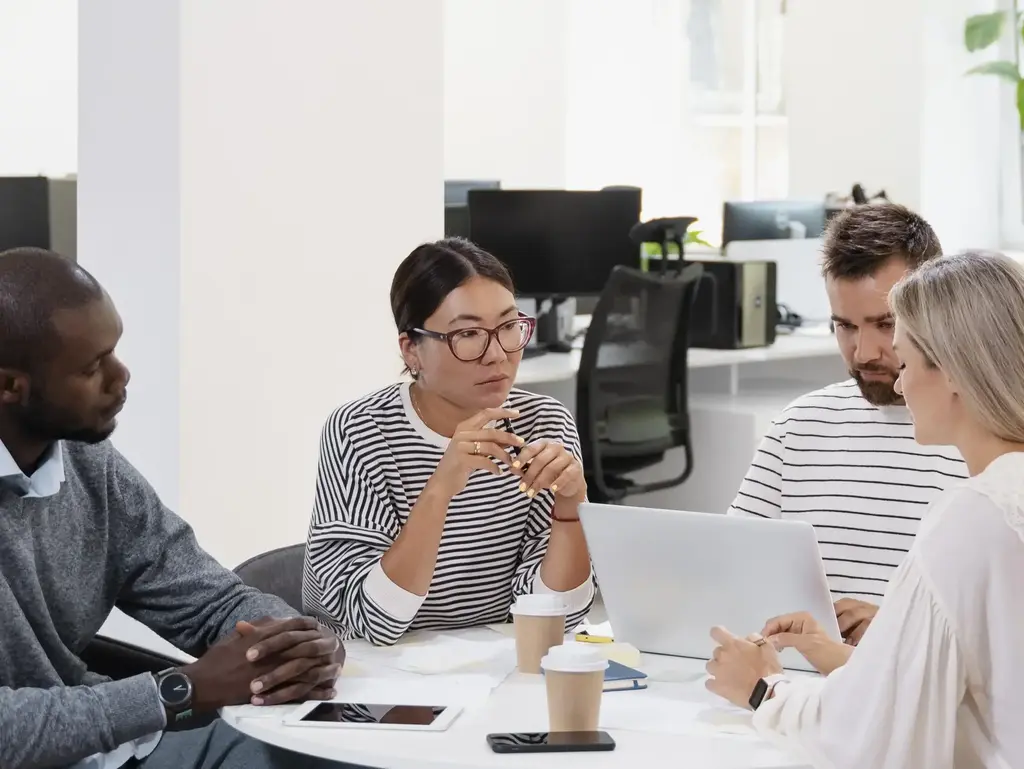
x=625 y=117
x=38 y=82
x=853 y=96
x=242 y=211
x=505 y=91
x=888 y=105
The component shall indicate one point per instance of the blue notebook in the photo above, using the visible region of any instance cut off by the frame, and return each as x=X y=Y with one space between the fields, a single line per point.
x=620 y=678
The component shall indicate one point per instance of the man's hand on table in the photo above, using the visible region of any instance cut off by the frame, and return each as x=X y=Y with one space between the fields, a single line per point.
x=304 y=662
x=854 y=618
x=267 y=662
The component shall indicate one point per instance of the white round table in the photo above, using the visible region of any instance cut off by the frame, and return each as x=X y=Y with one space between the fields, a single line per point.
x=718 y=736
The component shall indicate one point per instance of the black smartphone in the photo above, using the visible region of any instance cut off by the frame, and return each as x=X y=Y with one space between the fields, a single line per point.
x=550 y=742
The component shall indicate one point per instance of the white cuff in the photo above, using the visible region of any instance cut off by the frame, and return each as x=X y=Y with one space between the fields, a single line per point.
x=391 y=598
x=576 y=600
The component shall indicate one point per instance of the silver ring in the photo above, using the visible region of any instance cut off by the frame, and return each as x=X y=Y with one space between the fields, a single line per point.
x=476 y=447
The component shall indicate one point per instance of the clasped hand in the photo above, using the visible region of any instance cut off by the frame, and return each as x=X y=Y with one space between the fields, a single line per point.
x=542 y=465
x=268 y=662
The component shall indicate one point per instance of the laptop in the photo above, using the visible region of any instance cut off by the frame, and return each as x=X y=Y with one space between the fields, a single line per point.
x=668 y=576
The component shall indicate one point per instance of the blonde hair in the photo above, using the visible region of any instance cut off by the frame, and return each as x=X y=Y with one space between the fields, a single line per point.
x=965 y=313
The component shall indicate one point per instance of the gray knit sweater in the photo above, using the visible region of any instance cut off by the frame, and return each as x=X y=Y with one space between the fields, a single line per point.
x=104 y=540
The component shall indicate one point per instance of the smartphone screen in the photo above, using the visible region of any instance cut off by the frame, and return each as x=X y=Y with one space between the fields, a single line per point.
x=360 y=713
x=550 y=742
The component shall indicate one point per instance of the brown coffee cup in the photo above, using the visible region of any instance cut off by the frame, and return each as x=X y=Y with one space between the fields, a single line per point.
x=574 y=677
x=539 y=624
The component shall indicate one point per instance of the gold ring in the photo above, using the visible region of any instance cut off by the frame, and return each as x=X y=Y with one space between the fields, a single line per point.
x=760 y=641
x=476 y=447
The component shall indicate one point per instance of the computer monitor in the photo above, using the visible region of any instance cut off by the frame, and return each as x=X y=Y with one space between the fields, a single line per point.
x=456 y=221
x=557 y=243
x=456 y=190
x=772 y=220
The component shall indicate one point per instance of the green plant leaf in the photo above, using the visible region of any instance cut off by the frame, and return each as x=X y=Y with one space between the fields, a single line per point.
x=694 y=236
x=982 y=30
x=1004 y=69
x=1020 y=102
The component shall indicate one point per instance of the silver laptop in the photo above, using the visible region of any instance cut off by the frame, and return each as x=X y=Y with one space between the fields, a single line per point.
x=667 y=576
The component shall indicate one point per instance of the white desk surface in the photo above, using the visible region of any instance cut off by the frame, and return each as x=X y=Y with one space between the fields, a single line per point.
x=812 y=342
x=518 y=704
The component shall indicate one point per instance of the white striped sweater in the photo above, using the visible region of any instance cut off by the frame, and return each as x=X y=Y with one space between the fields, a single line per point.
x=855 y=472
x=376 y=456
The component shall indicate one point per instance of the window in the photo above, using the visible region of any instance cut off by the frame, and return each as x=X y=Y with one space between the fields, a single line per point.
x=735 y=105
x=1012 y=141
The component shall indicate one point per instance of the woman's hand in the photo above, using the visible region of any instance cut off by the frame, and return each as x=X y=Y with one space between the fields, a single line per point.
x=547 y=465
x=475 y=447
x=737 y=665
x=803 y=633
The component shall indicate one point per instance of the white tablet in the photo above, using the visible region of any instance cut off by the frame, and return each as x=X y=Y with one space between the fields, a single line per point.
x=373 y=715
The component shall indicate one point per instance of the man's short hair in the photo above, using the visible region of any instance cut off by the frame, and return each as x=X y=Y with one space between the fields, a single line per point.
x=34 y=284
x=859 y=241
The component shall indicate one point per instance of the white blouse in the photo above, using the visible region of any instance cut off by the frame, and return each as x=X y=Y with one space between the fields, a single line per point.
x=938 y=680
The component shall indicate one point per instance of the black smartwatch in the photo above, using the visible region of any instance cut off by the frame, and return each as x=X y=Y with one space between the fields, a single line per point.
x=762 y=689
x=175 y=689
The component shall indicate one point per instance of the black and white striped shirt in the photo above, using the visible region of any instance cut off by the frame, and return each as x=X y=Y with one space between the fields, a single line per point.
x=855 y=472
x=376 y=456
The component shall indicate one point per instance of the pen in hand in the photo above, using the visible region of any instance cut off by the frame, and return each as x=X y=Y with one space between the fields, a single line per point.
x=513 y=450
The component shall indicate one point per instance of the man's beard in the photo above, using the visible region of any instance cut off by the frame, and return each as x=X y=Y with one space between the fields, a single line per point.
x=878 y=392
x=46 y=423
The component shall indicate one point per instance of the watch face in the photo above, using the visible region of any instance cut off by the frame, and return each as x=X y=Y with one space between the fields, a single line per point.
x=757 y=697
x=175 y=689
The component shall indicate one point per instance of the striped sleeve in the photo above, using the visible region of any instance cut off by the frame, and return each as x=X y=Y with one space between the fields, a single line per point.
x=353 y=525
x=760 y=493
x=527 y=578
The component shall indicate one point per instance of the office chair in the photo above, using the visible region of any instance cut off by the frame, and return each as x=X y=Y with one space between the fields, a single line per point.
x=631 y=389
x=278 y=572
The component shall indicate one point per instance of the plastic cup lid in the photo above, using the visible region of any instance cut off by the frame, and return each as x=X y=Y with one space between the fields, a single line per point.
x=539 y=605
x=573 y=657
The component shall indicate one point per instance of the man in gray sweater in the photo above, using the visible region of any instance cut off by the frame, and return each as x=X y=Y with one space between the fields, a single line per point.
x=81 y=531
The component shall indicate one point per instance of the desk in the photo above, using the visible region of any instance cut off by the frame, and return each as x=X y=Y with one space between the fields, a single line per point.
x=814 y=342
x=518 y=704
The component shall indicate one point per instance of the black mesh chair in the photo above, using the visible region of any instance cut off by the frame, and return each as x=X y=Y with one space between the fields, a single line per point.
x=631 y=390
x=277 y=572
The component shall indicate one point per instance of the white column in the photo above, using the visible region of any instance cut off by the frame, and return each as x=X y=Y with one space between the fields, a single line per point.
x=251 y=173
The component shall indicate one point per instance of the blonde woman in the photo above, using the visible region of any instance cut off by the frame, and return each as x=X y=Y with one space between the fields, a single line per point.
x=938 y=680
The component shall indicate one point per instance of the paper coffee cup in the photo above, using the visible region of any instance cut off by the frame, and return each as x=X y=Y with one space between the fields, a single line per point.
x=574 y=676
x=540 y=624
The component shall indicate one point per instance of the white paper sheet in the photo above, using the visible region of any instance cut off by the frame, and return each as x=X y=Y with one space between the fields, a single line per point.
x=484 y=652
x=647 y=711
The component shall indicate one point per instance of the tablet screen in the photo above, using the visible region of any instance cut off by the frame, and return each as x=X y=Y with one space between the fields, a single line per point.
x=360 y=713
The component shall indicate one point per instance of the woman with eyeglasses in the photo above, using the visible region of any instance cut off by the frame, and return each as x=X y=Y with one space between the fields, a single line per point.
x=441 y=499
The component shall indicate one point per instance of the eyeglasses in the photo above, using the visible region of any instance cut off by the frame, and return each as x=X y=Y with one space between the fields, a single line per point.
x=471 y=344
